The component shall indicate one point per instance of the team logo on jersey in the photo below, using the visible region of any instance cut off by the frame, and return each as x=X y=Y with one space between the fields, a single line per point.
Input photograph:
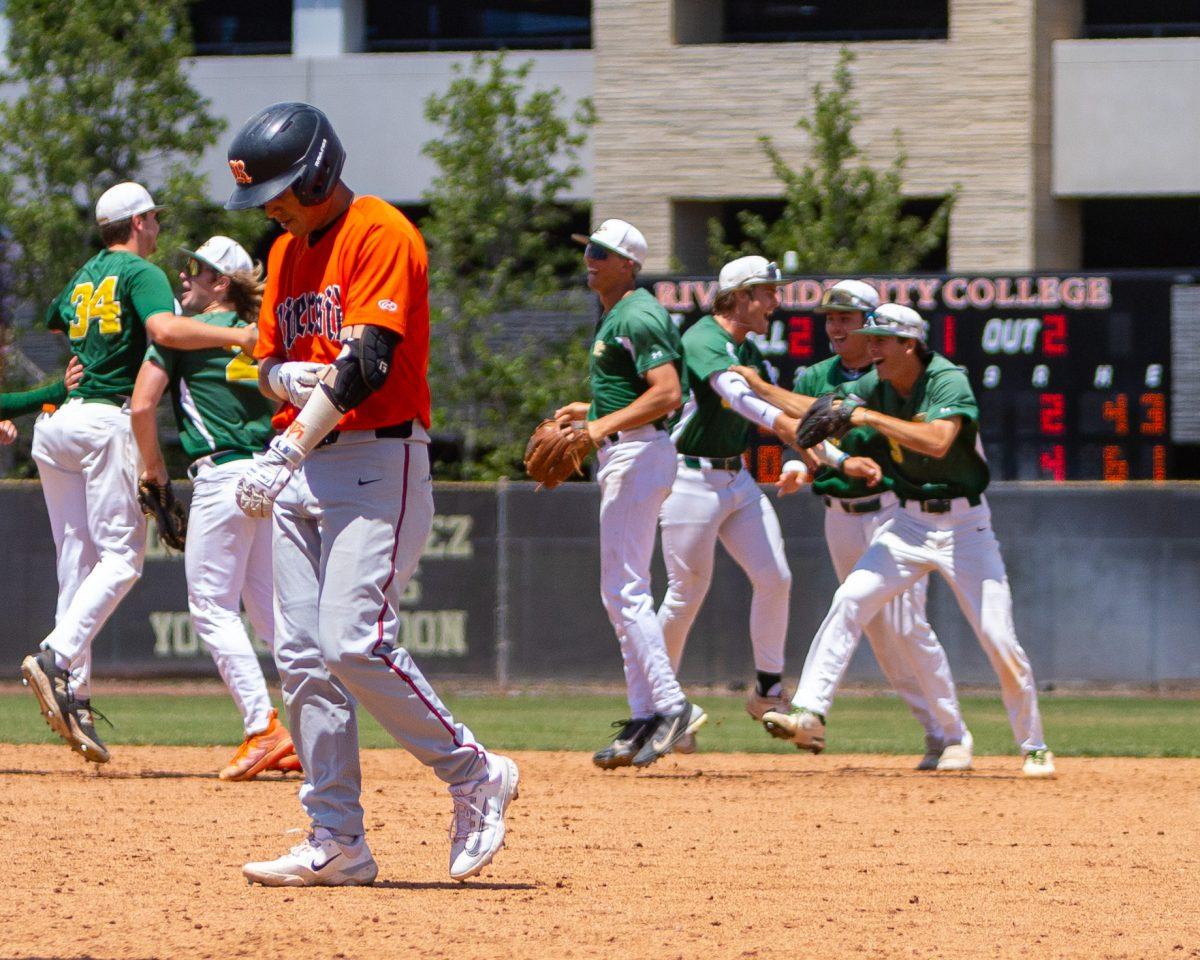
x=239 y=171
x=388 y=305
x=311 y=314
x=598 y=349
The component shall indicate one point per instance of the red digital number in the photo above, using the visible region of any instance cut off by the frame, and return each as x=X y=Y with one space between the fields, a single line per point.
x=949 y=336
x=800 y=337
x=1154 y=406
x=1160 y=463
x=1054 y=335
x=1053 y=463
x=1052 y=408
x=770 y=463
x=1116 y=412
x=1116 y=467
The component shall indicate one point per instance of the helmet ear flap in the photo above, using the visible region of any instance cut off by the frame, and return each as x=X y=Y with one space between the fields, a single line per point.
x=321 y=172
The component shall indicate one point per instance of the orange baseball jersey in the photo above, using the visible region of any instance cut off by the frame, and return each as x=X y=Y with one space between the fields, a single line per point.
x=370 y=267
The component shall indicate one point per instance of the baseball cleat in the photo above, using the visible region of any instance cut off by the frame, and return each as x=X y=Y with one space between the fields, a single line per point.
x=51 y=686
x=259 y=752
x=318 y=861
x=933 y=752
x=81 y=722
x=477 y=829
x=758 y=705
x=1039 y=763
x=288 y=764
x=804 y=728
x=625 y=745
x=666 y=731
x=958 y=756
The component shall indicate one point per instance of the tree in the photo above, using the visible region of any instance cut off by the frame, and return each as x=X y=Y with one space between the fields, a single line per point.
x=496 y=225
x=840 y=216
x=102 y=98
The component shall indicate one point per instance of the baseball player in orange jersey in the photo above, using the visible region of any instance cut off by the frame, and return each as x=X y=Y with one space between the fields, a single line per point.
x=348 y=485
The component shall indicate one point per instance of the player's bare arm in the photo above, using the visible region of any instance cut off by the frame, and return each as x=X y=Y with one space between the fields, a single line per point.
x=187 y=333
x=863 y=468
x=663 y=395
x=932 y=439
x=148 y=389
x=577 y=410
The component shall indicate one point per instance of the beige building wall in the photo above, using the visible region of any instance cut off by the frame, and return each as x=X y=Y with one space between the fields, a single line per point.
x=679 y=121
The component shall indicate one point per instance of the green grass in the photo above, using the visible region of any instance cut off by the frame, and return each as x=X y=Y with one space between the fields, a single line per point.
x=1075 y=726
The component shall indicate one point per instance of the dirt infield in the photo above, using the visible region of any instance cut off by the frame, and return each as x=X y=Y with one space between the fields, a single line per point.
x=704 y=856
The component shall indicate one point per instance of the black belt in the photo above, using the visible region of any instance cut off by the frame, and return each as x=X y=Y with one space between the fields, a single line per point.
x=614 y=437
x=714 y=463
x=217 y=459
x=856 y=506
x=397 y=431
x=942 y=504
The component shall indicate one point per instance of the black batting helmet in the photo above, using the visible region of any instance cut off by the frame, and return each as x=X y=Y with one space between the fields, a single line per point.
x=284 y=145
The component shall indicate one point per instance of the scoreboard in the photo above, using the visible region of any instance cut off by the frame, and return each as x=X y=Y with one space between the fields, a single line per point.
x=1072 y=373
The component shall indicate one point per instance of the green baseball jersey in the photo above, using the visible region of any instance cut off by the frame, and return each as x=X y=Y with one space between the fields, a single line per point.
x=941 y=391
x=705 y=426
x=635 y=336
x=103 y=310
x=19 y=403
x=826 y=377
x=218 y=406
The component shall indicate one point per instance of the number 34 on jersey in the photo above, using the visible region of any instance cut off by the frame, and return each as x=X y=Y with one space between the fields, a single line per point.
x=95 y=303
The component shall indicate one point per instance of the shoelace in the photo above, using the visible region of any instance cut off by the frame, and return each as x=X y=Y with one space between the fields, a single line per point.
x=86 y=713
x=466 y=815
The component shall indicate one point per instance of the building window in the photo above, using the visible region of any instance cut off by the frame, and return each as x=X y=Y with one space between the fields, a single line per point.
x=1146 y=18
x=778 y=21
x=233 y=27
x=400 y=25
x=1141 y=233
x=691 y=219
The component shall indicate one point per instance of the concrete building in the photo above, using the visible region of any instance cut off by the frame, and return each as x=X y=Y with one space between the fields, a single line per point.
x=1070 y=127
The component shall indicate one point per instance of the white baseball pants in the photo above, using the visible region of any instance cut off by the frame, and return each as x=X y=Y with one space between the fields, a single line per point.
x=635 y=478
x=349 y=529
x=904 y=644
x=961 y=546
x=705 y=506
x=87 y=462
x=227 y=558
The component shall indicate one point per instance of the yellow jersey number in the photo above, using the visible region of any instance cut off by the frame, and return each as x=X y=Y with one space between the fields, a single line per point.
x=243 y=366
x=96 y=303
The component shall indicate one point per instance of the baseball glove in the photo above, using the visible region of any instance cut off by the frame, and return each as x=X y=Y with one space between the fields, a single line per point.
x=829 y=416
x=555 y=452
x=158 y=502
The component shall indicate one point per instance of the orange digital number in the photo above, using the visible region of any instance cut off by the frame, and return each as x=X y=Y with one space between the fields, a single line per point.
x=1154 y=409
x=1116 y=467
x=1116 y=412
x=770 y=463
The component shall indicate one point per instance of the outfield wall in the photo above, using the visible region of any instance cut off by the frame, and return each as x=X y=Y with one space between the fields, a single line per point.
x=1106 y=580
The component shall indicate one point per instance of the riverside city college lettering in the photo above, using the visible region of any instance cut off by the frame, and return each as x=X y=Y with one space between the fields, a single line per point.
x=311 y=314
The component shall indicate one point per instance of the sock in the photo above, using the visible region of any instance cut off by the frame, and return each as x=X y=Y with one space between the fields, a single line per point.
x=769 y=684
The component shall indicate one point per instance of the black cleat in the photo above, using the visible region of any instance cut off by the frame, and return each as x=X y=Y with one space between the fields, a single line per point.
x=52 y=687
x=625 y=745
x=666 y=732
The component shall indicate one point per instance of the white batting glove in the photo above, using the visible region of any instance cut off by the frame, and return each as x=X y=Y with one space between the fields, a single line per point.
x=295 y=380
x=263 y=482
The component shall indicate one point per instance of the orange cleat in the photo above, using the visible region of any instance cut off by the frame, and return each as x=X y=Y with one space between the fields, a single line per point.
x=260 y=751
x=287 y=764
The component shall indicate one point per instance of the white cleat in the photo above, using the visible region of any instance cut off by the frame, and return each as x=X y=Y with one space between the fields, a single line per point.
x=958 y=756
x=1039 y=763
x=477 y=830
x=319 y=861
x=803 y=727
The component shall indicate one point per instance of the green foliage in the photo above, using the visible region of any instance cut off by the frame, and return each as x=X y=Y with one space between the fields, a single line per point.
x=840 y=215
x=103 y=99
x=505 y=156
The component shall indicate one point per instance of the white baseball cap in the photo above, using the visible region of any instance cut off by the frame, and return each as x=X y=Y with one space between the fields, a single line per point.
x=123 y=201
x=619 y=237
x=849 y=295
x=893 y=320
x=746 y=272
x=223 y=254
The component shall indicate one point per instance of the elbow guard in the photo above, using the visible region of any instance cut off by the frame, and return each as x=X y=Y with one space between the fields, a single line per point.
x=361 y=368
